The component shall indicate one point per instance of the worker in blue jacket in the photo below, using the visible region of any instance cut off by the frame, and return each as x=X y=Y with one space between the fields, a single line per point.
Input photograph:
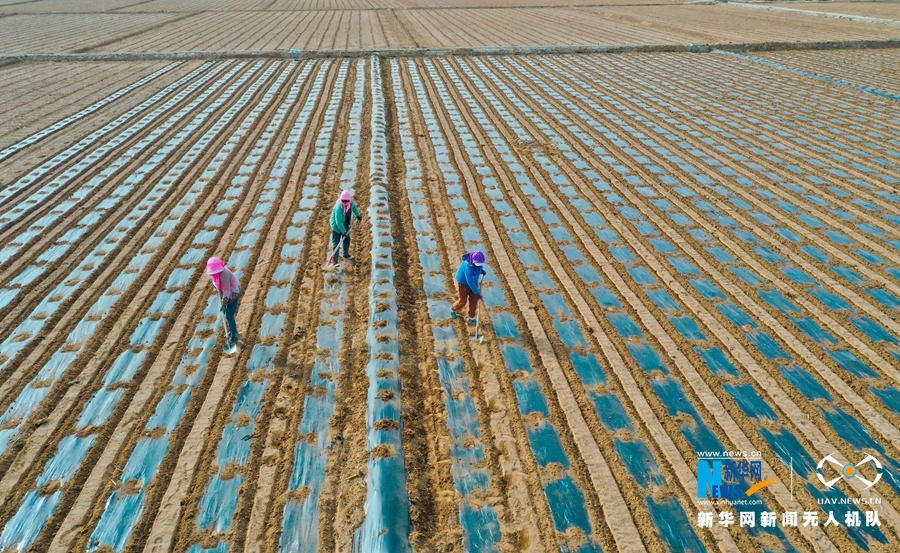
x=467 y=279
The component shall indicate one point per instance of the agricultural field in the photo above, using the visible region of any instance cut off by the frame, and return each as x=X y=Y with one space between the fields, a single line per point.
x=104 y=26
x=690 y=306
x=878 y=10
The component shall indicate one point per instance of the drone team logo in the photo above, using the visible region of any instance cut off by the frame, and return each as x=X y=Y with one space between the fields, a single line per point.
x=849 y=471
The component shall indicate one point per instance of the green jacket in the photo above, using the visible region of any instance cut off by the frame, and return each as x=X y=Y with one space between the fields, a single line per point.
x=337 y=217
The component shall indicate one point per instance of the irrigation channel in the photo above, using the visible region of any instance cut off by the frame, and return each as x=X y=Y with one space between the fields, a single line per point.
x=685 y=262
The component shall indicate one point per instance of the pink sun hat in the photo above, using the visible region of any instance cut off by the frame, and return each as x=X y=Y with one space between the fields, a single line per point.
x=214 y=266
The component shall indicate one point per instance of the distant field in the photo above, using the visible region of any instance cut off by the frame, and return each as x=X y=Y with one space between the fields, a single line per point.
x=221 y=25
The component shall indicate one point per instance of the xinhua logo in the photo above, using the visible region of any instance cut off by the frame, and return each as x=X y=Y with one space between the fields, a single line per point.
x=728 y=479
x=849 y=471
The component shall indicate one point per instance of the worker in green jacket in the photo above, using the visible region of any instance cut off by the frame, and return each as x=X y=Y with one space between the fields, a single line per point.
x=341 y=217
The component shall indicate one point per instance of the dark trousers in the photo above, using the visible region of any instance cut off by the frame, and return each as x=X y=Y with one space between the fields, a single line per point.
x=228 y=313
x=336 y=239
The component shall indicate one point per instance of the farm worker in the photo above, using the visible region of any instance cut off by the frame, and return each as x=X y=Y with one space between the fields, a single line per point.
x=229 y=291
x=467 y=277
x=341 y=216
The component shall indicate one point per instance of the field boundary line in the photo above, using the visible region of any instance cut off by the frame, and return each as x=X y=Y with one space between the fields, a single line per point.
x=860 y=18
x=6 y=59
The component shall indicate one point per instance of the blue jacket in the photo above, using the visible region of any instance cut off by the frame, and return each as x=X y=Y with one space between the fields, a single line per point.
x=468 y=275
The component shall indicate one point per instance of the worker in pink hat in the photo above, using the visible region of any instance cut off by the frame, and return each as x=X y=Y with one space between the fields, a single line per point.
x=229 y=291
x=468 y=278
x=341 y=216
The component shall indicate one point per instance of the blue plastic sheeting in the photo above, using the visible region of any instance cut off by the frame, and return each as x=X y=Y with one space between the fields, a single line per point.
x=707 y=289
x=716 y=361
x=611 y=413
x=624 y=325
x=123 y=512
x=672 y=396
x=872 y=329
x=830 y=80
x=220 y=501
x=663 y=300
x=814 y=331
x=146 y=332
x=850 y=363
x=735 y=314
x=750 y=402
x=300 y=528
x=386 y=525
x=24 y=527
x=21 y=530
x=95 y=259
x=588 y=369
x=747 y=276
x=98 y=409
x=641 y=276
x=164 y=302
x=687 y=327
x=683 y=266
x=192 y=256
x=674 y=526
x=647 y=357
x=798 y=444
x=767 y=345
x=516 y=357
x=641 y=464
x=169 y=411
x=890 y=396
x=805 y=383
x=885 y=298
x=849 y=275
x=547 y=446
x=569 y=333
x=483 y=529
x=272 y=325
x=530 y=397
x=179 y=277
x=217 y=509
x=567 y=507
x=831 y=301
